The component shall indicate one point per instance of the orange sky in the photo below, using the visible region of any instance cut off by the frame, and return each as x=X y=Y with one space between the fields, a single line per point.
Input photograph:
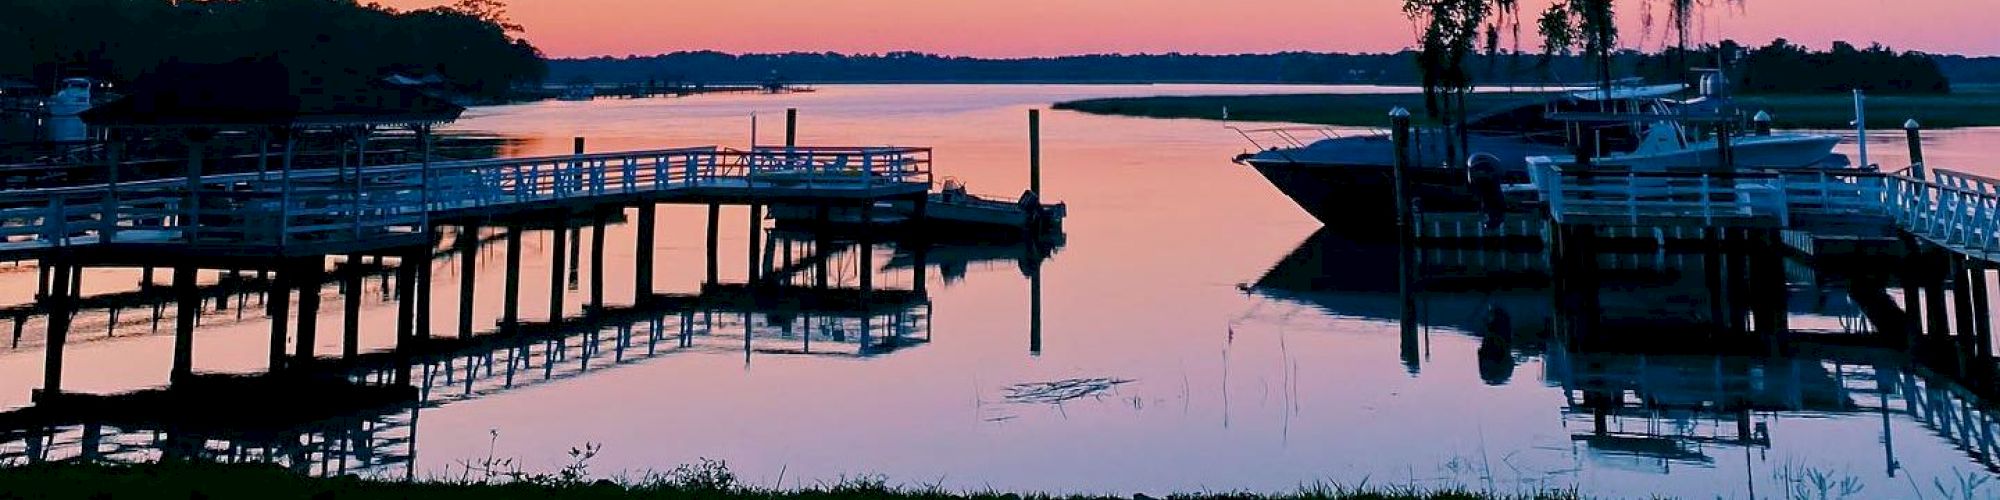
x=1001 y=28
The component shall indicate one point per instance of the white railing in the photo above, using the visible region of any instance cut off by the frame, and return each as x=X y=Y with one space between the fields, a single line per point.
x=1952 y=208
x=1613 y=194
x=332 y=205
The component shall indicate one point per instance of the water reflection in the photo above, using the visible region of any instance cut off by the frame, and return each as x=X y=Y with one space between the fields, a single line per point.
x=356 y=413
x=1665 y=364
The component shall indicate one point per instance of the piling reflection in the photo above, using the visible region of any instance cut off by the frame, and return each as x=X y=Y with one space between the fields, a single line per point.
x=1669 y=357
x=355 y=412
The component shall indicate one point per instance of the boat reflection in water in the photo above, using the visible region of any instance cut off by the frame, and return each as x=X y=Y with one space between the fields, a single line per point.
x=1666 y=368
x=358 y=415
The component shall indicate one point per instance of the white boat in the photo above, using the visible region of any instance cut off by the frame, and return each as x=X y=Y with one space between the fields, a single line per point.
x=69 y=101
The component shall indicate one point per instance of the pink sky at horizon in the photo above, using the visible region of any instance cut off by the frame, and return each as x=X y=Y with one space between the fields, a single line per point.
x=1016 y=28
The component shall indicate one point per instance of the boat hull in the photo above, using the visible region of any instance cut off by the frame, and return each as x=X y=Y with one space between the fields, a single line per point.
x=1360 y=200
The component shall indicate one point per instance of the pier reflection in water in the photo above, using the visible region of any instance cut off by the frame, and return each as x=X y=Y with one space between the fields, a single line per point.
x=1662 y=361
x=356 y=411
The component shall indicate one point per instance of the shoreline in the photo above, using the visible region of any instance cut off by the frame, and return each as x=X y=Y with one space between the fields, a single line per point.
x=709 y=479
x=1976 y=106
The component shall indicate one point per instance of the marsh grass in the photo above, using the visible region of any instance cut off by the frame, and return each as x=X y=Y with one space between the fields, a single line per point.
x=704 y=479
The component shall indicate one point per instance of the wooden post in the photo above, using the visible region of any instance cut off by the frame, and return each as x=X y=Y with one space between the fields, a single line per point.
x=1913 y=134
x=867 y=251
x=1961 y=295
x=1035 y=152
x=791 y=132
x=350 y=326
x=1982 y=313
x=642 y=286
x=422 y=259
x=1399 y=126
x=58 y=302
x=1912 y=288
x=556 y=274
x=468 y=269
x=756 y=241
x=714 y=220
x=1762 y=122
x=312 y=272
x=510 y=312
x=1035 y=306
x=1934 y=299
x=277 y=305
x=406 y=306
x=597 y=262
x=190 y=308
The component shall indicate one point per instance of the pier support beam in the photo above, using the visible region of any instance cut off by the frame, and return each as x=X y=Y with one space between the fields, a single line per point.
x=59 y=301
x=510 y=310
x=1935 y=309
x=423 y=284
x=406 y=311
x=468 y=269
x=556 y=274
x=756 y=242
x=1982 y=315
x=311 y=271
x=866 y=273
x=190 y=309
x=278 y=305
x=1961 y=295
x=597 y=261
x=350 y=311
x=642 y=285
x=714 y=220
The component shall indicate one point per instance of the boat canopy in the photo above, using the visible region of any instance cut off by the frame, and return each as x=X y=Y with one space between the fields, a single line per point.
x=1627 y=93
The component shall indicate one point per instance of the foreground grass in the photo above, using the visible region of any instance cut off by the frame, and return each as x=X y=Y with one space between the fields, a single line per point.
x=1972 y=106
x=228 y=482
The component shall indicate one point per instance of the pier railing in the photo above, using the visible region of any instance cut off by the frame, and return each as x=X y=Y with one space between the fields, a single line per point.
x=1955 y=209
x=1601 y=195
x=379 y=205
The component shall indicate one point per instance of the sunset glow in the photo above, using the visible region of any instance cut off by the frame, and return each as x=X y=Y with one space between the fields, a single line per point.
x=992 y=28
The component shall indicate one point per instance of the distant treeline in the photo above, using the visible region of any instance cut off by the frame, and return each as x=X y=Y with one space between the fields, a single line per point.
x=1835 y=66
x=469 y=45
x=1786 y=68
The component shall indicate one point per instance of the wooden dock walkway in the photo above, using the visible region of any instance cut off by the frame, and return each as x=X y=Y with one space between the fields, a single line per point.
x=332 y=211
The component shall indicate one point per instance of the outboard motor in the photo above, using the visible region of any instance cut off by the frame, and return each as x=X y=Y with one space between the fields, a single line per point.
x=1483 y=176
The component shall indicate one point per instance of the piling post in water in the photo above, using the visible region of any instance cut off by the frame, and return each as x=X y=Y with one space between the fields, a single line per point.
x=642 y=286
x=1982 y=329
x=1961 y=294
x=468 y=262
x=1762 y=122
x=1399 y=126
x=556 y=272
x=756 y=241
x=406 y=311
x=312 y=271
x=791 y=131
x=350 y=314
x=510 y=313
x=714 y=220
x=1035 y=153
x=59 y=301
x=597 y=262
x=1935 y=303
x=866 y=273
x=277 y=305
x=189 y=309
x=1913 y=134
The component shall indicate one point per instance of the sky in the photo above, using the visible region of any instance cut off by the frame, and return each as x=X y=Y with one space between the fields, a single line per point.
x=1015 y=28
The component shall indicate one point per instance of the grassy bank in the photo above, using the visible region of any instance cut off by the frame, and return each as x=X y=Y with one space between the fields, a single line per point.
x=228 y=482
x=1972 y=106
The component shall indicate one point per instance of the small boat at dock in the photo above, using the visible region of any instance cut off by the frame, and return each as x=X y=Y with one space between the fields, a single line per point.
x=952 y=210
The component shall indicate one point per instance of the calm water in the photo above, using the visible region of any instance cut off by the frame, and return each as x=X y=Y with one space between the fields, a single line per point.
x=1254 y=355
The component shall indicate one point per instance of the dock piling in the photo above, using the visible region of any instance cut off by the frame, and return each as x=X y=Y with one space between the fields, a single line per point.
x=350 y=327
x=642 y=287
x=189 y=309
x=1035 y=152
x=556 y=273
x=312 y=271
x=714 y=220
x=468 y=262
x=756 y=241
x=59 y=302
x=1913 y=134
x=277 y=305
x=597 y=261
x=510 y=312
